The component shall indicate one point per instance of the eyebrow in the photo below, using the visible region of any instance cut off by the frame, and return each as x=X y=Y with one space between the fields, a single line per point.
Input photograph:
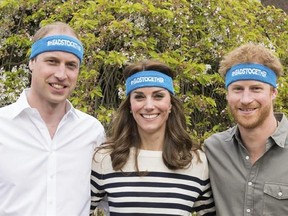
x=56 y=58
x=140 y=92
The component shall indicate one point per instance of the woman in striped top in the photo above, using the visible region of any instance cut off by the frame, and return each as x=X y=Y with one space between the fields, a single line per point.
x=149 y=165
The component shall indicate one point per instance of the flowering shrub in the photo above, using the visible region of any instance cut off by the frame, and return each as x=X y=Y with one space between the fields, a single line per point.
x=190 y=36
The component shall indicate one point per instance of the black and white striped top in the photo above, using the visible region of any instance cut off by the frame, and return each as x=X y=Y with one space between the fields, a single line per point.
x=161 y=192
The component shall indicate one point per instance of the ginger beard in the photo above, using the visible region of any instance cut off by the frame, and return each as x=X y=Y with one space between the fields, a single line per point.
x=253 y=120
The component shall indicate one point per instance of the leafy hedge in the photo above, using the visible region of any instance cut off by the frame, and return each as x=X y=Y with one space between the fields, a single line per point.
x=191 y=36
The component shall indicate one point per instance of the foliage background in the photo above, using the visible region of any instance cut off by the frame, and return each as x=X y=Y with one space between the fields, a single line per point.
x=190 y=36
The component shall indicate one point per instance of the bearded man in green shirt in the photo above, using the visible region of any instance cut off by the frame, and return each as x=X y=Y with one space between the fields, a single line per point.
x=247 y=162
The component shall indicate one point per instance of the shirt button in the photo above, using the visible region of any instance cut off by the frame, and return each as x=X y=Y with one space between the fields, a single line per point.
x=247 y=157
x=248 y=210
x=280 y=194
x=250 y=183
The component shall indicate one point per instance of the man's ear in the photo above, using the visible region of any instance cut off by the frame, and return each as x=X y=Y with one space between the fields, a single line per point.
x=31 y=64
x=274 y=93
x=226 y=94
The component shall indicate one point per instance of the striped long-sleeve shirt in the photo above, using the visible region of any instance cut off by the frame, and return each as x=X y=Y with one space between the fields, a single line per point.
x=159 y=192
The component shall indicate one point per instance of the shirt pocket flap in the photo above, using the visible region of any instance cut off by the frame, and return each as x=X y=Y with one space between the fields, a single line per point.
x=276 y=190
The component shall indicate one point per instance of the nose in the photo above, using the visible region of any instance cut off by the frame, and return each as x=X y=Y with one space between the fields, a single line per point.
x=60 y=72
x=246 y=97
x=149 y=105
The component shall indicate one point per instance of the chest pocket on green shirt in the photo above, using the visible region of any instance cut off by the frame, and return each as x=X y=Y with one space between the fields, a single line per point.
x=275 y=199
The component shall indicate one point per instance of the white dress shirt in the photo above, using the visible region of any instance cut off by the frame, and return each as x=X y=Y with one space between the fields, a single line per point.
x=40 y=176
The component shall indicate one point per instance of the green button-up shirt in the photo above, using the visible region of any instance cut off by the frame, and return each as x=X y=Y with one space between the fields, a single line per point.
x=244 y=189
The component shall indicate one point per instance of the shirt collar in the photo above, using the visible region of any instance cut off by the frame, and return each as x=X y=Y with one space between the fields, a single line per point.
x=22 y=104
x=279 y=136
x=71 y=109
x=232 y=133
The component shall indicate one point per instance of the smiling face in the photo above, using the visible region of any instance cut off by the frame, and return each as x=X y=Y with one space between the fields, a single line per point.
x=251 y=102
x=150 y=108
x=54 y=77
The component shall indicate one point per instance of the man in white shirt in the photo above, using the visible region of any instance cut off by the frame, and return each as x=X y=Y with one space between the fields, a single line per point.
x=46 y=145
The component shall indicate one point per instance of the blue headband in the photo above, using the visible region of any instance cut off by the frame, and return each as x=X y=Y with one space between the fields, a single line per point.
x=250 y=71
x=58 y=43
x=149 y=79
